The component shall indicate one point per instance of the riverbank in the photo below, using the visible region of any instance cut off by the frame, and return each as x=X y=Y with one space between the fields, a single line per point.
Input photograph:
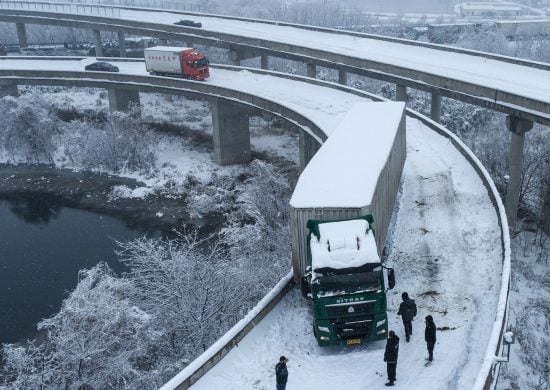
x=93 y=192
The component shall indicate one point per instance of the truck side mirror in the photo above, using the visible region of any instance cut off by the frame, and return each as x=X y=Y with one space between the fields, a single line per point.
x=304 y=285
x=391 y=278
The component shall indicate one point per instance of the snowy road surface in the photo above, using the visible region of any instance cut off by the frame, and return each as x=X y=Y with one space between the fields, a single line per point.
x=517 y=79
x=508 y=77
x=324 y=106
x=447 y=255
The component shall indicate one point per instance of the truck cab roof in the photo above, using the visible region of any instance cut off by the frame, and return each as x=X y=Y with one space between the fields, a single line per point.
x=343 y=244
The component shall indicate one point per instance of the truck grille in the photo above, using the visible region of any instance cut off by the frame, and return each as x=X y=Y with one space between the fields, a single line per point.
x=346 y=328
x=351 y=308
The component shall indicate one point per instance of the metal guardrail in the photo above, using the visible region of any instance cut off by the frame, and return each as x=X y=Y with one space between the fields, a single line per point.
x=76 y=8
x=488 y=373
x=208 y=359
x=158 y=4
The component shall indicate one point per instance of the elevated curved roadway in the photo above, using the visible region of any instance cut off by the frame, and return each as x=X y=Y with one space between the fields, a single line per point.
x=311 y=105
x=441 y=174
x=514 y=86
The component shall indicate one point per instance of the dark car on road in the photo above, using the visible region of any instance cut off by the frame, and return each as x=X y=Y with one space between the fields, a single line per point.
x=101 y=66
x=189 y=23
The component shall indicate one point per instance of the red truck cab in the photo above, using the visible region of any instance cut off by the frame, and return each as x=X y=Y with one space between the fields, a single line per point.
x=194 y=65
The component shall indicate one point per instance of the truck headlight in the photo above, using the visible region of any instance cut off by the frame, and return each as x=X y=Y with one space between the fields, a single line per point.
x=323 y=329
x=380 y=323
x=324 y=338
x=381 y=331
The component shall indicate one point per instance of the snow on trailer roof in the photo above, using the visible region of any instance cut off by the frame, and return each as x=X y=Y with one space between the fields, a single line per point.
x=344 y=173
x=169 y=48
x=343 y=244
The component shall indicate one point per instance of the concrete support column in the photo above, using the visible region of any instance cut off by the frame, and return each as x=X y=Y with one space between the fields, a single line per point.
x=308 y=147
x=264 y=61
x=123 y=99
x=518 y=127
x=121 y=44
x=163 y=42
x=342 y=77
x=311 y=71
x=400 y=93
x=97 y=43
x=8 y=90
x=235 y=58
x=436 y=108
x=230 y=122
x=21 y=34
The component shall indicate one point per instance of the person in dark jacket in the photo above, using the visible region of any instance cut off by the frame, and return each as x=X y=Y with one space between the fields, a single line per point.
x=429 y=336
x=390 y=356
x=281 y=373
x=407 y=311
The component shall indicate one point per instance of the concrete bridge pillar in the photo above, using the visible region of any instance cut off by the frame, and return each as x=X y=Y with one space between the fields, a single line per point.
x=8 y=90
x=235 y=58
x=308 y=147
x=121 y=44
x=97 y=43
x=436 y=108
x=311 y=71
x=231 y=132
x=21 y=34
x=400 y=93
x=163 y=42
x=518 y=127
x=123 y=99
x=342 y=77
x=264 y=61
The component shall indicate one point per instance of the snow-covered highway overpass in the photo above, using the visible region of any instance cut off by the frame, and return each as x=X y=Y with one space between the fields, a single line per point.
x=511 y=85
x=450 y=233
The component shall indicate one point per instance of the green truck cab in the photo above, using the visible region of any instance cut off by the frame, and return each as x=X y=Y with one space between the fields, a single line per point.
x=347 y=282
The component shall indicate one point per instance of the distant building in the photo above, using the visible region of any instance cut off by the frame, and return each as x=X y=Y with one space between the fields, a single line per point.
x=489 y=9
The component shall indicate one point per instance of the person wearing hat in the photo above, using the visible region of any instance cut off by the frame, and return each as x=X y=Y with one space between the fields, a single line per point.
x=390 y=356
x=281 y=373
x=407 y=311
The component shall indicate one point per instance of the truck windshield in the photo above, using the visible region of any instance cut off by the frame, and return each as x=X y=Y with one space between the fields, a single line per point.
x=350 y=283
x=200 y=63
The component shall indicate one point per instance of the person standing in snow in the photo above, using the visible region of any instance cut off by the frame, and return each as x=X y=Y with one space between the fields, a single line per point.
x=407 y=311
x=429 y=336
x=390 y=356
x=281 y=373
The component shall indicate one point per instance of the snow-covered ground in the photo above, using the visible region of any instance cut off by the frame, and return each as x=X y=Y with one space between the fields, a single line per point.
x=447 y=255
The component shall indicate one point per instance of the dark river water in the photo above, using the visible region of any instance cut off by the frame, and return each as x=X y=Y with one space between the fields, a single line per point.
x=43 y=245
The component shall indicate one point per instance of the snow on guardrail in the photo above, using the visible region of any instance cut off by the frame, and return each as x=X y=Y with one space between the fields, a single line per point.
x=489 y=369
x=72 y=8
x=220 y=348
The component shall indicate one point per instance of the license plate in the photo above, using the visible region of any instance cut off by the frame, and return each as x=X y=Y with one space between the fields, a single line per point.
x=353 y=341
